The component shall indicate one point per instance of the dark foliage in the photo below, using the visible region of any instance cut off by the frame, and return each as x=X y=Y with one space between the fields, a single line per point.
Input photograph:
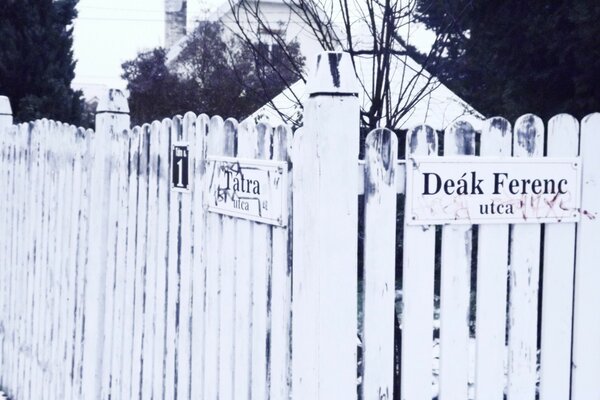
x=212 y=75
x=36 y=59
x=154 y=91
x=511 y=57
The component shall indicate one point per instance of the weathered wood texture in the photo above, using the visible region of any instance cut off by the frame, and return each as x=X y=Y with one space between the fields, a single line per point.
x=524 y=274
x=325 y=241
x=379 y=264
x=417 y=288
x=115 y=286
x=513 y=352
x=492 y=272
x=459 y=139
x=586 y=331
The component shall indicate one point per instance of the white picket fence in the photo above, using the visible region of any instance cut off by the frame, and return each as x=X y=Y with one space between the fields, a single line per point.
x=115 y=286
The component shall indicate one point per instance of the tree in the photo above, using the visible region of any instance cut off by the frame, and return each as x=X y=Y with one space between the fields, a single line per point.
x=212 y=74
x=511 y=57
x=377 y=34
x=154 y=91
x=36 y=59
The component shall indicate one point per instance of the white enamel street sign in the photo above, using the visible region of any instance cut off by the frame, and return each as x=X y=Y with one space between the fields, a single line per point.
x=250 y=189
x=479 y=190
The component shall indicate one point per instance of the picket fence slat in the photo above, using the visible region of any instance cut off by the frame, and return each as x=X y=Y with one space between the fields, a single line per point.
x=261 y=261
x=129 y=333
x=5 y=145
x=162 y=257
x=492 y=273
x=215 y=145
x=379 y=264
x=120 y=263
x=558 y=279
x=149 y=259
x=459 y=139
x=281 y=284
x=243 y=280
x=417 y=288
x=304 y=369
x=227 y=283
x=18 y=257
x=137 y=259
x=528 y=141
x=70 y=274
x=173 y=271
x=586 y=329
x=82 y=257
x=184 y=351
x=199 y=271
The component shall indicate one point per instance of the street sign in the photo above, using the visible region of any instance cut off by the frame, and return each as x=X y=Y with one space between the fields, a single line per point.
x=251 y=189
x=180 y=167
x=479 y=190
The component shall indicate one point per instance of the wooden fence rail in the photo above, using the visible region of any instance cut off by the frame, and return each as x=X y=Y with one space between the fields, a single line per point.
x=115 y=286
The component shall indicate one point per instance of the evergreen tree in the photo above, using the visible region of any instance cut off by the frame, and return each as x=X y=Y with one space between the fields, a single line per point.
x=510 y=57
x=36 y=59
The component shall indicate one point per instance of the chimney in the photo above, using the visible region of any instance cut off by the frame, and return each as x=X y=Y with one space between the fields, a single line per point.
x=175 y=20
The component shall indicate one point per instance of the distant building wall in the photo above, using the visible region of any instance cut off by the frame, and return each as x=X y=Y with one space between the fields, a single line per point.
x=279 y=17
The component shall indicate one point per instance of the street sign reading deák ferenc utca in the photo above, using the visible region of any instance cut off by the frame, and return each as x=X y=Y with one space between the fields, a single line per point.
x=251 y=189
x=479 y=190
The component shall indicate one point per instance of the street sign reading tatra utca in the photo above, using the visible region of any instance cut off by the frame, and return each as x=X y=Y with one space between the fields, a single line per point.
x=250 y=189
x=478 y=190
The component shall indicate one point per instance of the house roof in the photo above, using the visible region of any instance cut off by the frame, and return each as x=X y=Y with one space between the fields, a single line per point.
x=438 y=106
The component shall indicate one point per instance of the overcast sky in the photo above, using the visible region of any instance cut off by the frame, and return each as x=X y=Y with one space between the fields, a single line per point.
x=109 y=32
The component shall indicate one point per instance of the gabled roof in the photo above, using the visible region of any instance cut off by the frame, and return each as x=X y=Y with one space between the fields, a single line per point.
x=437 y=107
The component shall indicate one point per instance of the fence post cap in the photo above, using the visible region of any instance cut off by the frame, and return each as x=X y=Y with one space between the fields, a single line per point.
x=333 y=74
x=113 y=101
x=5 y=108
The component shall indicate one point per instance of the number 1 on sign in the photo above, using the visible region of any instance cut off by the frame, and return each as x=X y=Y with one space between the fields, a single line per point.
x=180 y=179
x=180 y=174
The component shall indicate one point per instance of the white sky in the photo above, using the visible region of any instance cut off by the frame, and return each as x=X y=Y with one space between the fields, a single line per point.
x=109 y=32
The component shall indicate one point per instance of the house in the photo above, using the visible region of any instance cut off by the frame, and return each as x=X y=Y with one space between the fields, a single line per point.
x=426 y=100
x=277 y=17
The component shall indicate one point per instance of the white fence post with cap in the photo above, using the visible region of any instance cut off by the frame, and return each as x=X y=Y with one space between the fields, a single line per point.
x=325 y=238
x=6 y=117
x=112 y=118
x=6 y=120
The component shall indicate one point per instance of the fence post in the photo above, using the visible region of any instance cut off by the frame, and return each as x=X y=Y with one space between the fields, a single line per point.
x=6 y=117
x=6 y=121
x=325 y=221
x=112 y=117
